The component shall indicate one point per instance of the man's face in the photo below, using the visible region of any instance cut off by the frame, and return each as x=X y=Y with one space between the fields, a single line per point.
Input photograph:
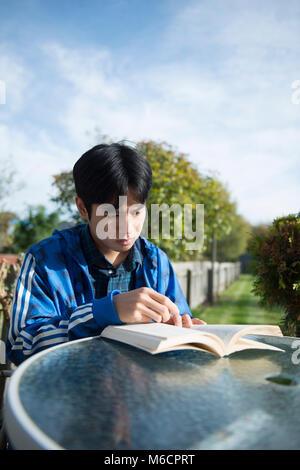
x=117 y=229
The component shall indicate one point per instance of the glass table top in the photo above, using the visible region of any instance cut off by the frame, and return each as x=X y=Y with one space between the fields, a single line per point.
x=100 y=394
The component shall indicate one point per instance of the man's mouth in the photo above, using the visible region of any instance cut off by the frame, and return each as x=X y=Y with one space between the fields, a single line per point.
x=125 y=241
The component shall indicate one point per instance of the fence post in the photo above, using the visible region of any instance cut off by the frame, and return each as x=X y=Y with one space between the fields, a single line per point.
x=189 y=286
x=210 y=286
x=211 y=272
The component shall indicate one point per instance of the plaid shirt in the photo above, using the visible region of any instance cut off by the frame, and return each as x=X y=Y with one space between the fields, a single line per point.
x=54 y=301
x=104 y=276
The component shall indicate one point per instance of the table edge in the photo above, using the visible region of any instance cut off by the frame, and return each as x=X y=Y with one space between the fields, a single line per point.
x=23 y=432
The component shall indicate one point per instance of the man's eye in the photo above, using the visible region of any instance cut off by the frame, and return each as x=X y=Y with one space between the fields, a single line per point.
x=135 y=213
x=110 y=215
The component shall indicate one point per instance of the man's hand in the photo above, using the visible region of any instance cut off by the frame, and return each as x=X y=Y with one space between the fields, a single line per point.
x=144 y=304
x=184 y=320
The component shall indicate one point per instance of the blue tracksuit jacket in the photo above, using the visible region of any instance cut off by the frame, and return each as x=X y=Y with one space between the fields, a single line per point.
x=54 y=300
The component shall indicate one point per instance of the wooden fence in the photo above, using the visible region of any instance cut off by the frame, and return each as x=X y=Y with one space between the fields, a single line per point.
x=199 y=281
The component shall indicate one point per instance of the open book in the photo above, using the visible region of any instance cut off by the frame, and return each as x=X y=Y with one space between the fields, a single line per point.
x=221 y=340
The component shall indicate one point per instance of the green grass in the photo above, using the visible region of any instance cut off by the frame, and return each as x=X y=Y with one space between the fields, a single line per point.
x=237 y=305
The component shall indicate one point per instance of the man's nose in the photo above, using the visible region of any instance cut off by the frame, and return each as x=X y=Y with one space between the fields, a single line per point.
x=126 y=227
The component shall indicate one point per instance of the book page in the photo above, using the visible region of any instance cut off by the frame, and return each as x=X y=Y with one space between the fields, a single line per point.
x=149 y=336
x=159 y=330
x=160 y=336
x=156 y=337
x=231 y=334
x=243 y=344
x=259 y=329
x=224 y=332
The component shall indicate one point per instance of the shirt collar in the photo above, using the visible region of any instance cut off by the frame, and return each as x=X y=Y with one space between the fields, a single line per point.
x=94 y=256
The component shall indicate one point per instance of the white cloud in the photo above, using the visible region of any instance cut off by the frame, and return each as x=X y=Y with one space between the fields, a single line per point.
x=35 y=164
x=17 y=80
x=220 y=91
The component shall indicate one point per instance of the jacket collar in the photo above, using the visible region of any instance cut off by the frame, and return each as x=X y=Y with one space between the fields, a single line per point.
x=71 y=239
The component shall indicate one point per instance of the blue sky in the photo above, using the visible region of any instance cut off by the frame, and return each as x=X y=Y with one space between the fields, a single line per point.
x=213 y=78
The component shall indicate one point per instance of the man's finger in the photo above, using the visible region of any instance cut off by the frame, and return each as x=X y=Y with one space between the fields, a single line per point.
x=187 y=321
x=152 y=315
x=164 y=300
x=177 y=320
x=158 y=308
x=149 y=314
x=197 y=321
x=146 y=319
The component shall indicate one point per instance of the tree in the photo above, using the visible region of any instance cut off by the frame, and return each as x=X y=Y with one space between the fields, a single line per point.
x=8 y=278
x=235 y=243
x=277 y=268
x=176 y=181
x=7 y=187
x=5 y=225
x=220 y=210
x=258 y=230
x=7 y=183
x=35 y=227
x=65 y=198
x=64 y=183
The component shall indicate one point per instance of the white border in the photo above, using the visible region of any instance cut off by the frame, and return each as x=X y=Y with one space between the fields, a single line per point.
x=22 y=431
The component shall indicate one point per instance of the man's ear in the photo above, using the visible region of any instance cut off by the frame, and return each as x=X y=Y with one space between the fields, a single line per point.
x=81 y=208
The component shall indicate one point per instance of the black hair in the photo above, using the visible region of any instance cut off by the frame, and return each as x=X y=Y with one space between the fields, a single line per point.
x=107 y=171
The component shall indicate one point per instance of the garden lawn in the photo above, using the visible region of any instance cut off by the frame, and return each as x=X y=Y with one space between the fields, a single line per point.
x=237 y=305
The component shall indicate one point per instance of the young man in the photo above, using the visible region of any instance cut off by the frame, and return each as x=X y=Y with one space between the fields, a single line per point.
x=76 y=282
